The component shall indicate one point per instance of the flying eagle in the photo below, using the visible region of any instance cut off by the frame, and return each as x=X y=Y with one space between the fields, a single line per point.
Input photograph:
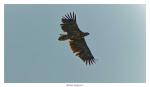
x=76 y=38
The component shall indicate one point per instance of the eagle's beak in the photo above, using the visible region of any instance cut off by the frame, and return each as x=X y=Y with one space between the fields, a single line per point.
x=87 y=33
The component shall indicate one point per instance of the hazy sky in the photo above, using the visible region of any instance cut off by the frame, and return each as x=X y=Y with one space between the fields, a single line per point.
x=34 y=54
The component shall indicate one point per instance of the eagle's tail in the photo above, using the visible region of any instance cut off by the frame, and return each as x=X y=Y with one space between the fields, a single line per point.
x=63 y=37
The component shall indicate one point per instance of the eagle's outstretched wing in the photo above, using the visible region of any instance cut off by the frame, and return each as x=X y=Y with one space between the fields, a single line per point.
x=81 y=49
x=69 y=24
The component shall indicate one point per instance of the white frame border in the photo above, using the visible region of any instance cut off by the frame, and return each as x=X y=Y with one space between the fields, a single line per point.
x=2 y=84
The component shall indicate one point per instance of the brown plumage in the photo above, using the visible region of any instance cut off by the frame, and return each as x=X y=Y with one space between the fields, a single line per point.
x=76 y=37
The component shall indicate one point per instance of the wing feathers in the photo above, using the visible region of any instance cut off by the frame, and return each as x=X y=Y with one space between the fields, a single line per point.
x=69 y=24
x=82 y=51
x=69 y=18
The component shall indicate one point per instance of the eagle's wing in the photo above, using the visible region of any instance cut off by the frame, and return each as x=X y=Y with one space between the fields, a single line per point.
x=69 y=24
x=81 y=49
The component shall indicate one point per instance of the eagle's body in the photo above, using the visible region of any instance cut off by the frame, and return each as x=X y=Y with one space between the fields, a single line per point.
x=76 y=37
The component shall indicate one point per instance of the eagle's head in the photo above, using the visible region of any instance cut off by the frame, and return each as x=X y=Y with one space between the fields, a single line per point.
x=86 y=33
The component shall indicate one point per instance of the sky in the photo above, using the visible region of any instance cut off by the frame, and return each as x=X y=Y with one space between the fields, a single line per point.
x=33 y=54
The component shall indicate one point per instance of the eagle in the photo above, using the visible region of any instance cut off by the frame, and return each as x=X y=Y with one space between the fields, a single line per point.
x=76 y=38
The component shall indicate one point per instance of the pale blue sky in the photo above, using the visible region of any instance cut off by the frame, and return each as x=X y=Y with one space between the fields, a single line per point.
x=117 y=41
